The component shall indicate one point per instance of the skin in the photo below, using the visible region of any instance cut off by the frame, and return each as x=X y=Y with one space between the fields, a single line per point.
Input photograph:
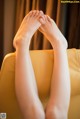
x=51 y=31
x=25 y=82
x=58 y=104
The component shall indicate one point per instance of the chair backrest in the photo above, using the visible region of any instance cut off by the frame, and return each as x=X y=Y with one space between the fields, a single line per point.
x=43 y=61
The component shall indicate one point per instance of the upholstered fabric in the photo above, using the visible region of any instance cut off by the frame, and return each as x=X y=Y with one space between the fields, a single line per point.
x=43 y=61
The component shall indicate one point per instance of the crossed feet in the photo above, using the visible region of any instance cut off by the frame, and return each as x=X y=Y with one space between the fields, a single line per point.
x=33 y=21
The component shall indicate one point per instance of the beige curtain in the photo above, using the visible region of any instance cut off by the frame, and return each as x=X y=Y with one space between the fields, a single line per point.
x=49 y=7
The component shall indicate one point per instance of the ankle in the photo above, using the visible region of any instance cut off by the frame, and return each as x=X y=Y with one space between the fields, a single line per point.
x=58 y=44
x=21 y=41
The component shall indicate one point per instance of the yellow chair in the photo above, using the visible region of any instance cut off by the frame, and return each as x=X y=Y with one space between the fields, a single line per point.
x=42 y=61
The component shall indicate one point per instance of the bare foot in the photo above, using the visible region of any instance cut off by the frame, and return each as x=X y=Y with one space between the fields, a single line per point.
x=27 y=28
x=51 y=32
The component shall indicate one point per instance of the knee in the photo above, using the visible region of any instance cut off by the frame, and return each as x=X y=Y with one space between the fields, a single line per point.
x=35 y=113
x=39 y=114
x=50 y=114
x=54 y=113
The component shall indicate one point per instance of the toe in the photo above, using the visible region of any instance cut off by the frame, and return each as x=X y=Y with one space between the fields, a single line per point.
x=48 y=18
x=32 y=13
x=41 y=17
x=39 y=13
x=41 y=20
x=36 y=13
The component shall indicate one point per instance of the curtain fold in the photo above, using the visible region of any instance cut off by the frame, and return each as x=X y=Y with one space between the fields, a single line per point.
x=73 y=30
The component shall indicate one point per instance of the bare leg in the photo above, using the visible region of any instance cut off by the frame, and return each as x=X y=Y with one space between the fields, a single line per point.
x=25 y=83
x=58 y=105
